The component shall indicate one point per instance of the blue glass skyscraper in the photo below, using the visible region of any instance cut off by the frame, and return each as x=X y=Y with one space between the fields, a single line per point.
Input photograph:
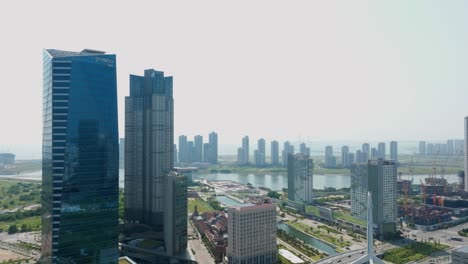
x=80 y=158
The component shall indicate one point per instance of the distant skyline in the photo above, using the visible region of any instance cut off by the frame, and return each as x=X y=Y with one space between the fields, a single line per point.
x=316 y=71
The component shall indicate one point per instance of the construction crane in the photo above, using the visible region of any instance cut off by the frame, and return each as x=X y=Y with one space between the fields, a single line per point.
x=434 y=165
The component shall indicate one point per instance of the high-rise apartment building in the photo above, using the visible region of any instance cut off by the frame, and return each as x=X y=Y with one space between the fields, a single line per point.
x=381 y=150
x=394 y=151
x=344 y=156
x=245 y=149
x=374 y=153
x=183 y=149
x=252 y=234
x=366 y=147
x=300 y=178
x=287 y=149
x=274 y=153
x=80 y=158
x=198 y=149
x=430 y=149
x=149 y=133
x=213 y=153
x=330 y=160
x=379 y=177
x=466 y=154
x=422 y=148
x=260 y=153
x=450 y=147
x=304 y=150
x=121 y=151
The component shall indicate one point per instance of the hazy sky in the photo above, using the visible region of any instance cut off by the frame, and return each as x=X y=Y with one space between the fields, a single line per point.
x=317 y=70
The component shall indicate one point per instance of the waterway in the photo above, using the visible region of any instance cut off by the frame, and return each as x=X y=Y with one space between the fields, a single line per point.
x=273 y=181
x=279 y=181
x=229 y=201
x=308 y=239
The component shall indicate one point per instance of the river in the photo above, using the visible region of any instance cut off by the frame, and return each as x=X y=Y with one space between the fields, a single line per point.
x=273 y=181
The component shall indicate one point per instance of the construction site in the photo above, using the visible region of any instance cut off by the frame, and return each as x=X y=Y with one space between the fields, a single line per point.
x=433 y=203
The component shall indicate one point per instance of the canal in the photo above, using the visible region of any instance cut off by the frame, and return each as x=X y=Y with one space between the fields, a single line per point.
x=307 y=239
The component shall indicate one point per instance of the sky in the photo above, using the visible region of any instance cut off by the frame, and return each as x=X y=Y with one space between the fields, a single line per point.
x=285 y=70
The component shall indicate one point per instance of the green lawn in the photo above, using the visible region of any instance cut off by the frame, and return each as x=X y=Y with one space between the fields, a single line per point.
x=412 y=252
x=310 y=209
x=348 y=217
x=202 y=206
x=33 y=222
x=14 y=194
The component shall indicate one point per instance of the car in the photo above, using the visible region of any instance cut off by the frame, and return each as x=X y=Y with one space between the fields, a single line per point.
x=339 y=260
x=362 y=252
x=349 y=256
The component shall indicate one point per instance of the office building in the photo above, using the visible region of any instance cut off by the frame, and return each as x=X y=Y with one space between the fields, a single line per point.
x=466 y=154
x=422 y=148
x=80 y=158
x=287 y=149
x=330 y=160
x=252 y=234
x=176 y=158
x=175 y=215
x=381 y=154
x=379 y=177
x=274 y=153
x=300 y=178
x=351 y=159
x=149 y=134
x=344 y=157
x=259 y=154
x=394 y=151
x=304 y=150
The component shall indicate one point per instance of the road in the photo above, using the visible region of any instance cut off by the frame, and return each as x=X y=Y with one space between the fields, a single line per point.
x=202 y=255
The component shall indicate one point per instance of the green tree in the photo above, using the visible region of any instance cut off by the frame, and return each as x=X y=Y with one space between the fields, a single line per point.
x=12 y=229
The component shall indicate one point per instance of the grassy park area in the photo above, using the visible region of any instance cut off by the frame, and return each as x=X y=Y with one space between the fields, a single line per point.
x=412 y=252
x=202 y=206
x=348 y=217
x=321 y=233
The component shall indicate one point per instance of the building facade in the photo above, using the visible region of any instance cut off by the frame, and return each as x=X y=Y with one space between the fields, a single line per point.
x=252 y=234
x=149 y=157
x=287 y=149
x=80 y=158
x=175 y=222
x=213 y=153
x=300 y=178
x=379 y=177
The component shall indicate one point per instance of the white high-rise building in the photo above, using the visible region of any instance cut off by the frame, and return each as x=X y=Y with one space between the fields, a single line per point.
x=252 y=234
x=300 y=178
x=466 y=153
